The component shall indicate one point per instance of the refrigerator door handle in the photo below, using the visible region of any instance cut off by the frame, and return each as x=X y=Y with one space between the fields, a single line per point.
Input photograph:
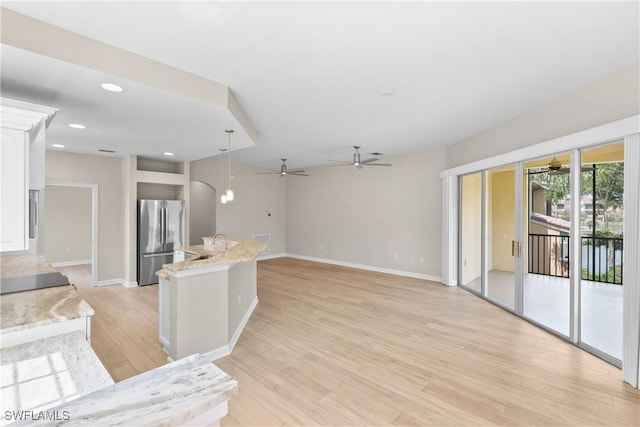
x=163 y=226
x=157 y=255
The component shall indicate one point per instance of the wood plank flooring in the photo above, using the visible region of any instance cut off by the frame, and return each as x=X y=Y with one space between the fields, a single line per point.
x=329 y=345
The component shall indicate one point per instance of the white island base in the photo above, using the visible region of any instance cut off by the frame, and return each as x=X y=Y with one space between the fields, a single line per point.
x=204 y=309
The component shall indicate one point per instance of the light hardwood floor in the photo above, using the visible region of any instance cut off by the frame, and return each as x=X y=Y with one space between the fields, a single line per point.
x=329 y=345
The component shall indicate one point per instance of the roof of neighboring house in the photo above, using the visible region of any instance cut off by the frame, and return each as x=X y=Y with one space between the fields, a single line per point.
x=551 y=222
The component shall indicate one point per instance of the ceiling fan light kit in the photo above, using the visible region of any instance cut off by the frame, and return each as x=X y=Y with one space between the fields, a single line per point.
x=358 y=163
x=283 y=171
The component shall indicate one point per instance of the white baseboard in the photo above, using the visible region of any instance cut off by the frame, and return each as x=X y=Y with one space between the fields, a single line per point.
x=271 y=256
x=122 y=282
x=243 y=323
x=71 y=263
x=368 y=267
x=227 y=349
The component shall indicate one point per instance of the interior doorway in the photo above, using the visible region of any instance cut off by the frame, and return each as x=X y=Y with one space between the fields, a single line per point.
x=70 y=230
x=202 y=211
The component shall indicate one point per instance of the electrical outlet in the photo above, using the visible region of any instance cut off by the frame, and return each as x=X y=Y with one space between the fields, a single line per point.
x=68 y=250
x=239 y=298
x=396 y=256
x=322 y=247
x=421 y=259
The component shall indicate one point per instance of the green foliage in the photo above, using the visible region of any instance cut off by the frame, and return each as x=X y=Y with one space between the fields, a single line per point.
x=608 y=277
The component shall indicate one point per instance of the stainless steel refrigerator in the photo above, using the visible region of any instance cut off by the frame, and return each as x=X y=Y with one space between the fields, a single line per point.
x=160 y=230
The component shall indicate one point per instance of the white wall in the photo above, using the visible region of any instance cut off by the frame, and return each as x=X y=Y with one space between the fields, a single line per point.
x=368 y=216
x=614 y=97
x=106 y=173
x=67 y=224
x=256 y=196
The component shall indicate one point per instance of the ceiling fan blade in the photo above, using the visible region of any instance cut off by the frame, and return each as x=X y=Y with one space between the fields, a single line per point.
x=297 y=174
x=359 y=166
x=268 y=173
x=537 y=172
x=341 y=161
x=296 y=171
x=373 y=159
x=378 y=164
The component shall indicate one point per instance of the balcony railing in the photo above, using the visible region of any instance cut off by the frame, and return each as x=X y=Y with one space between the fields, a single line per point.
x=601 y=257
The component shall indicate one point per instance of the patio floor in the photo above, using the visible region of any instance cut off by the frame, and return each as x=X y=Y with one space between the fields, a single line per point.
x=546 y=300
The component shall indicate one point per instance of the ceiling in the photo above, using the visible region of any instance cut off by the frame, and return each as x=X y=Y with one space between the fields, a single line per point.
x=315 y=78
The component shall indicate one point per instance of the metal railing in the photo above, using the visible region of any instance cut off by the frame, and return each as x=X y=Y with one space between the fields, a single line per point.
x=549 y=255
x=601 y=257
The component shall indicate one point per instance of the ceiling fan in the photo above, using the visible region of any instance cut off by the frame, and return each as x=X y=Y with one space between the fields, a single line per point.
x=283 y=171
x=359 y=164
x=553 y=168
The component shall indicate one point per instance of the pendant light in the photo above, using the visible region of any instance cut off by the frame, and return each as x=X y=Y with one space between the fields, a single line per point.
x=229 y=190
x=223 y=198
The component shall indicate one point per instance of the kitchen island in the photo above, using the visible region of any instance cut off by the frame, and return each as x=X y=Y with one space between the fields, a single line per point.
x=40 y=313
x=205 y=301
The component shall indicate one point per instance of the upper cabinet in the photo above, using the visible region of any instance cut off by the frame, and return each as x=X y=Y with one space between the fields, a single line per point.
x=21 y=167
x=14 y=235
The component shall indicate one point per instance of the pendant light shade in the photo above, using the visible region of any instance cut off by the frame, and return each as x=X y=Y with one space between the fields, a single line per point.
x=229 y=192
x=223 y=198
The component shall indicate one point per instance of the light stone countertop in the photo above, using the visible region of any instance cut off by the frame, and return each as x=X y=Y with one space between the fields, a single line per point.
x=245 y=250
x=29 y=309
x=41 y=374
x=169 y=395
x=24 y=264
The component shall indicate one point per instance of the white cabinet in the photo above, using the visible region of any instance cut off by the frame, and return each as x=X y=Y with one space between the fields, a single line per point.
x=163 y=313
x=21 y=167
x=14 y=191
x=36 y=157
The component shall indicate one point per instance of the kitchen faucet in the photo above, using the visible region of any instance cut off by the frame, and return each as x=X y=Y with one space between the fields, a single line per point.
x=224 y=239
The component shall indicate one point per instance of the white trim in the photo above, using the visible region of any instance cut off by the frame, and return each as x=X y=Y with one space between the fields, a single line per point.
x=71 y=263
x=242 y=324
x=271 y=256
x=575 y=247
x=449 y=267
x=609 y=132
x=226 y=350
x=631 y=272
x=368 y=267
x=219 y=352
x=120 y=281
x=94 y=222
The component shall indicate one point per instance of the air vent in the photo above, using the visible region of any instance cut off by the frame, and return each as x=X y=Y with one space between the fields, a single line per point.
x=265 y=238
x=102 y=150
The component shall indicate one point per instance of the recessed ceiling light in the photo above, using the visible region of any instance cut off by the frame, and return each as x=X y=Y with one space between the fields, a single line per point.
x=57 y=145
x=111 y=87
x=386 y=93
x=77 y=126
x=168 y=153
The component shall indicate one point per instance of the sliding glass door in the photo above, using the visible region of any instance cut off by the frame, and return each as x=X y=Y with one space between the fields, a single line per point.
x=546 y=284
x=532 y=246
x=470 y=268
x=601 y=247
x=502 y=246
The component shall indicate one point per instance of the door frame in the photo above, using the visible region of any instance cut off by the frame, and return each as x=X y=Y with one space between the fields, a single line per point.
x=94 y=221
